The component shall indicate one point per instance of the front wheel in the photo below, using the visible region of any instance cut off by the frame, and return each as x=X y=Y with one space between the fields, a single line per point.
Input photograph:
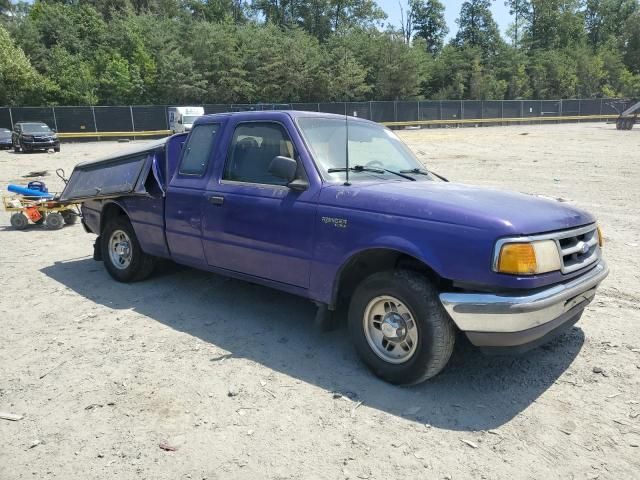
x=123 y=258
x=399 y=327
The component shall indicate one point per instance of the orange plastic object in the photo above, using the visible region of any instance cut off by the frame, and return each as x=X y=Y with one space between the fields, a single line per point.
x=33 y=214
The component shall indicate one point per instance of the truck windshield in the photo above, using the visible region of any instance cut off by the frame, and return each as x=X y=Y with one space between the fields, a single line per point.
x=189 y=119
x=375 y=150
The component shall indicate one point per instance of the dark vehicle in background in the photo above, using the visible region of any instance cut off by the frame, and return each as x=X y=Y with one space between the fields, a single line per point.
x=5 y=138
x=29 y=136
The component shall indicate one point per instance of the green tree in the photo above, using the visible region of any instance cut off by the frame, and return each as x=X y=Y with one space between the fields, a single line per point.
x=631 y=42
x=553 y=74
x=119 y=82
x=554 y=24
x=218 y=10
x=347 y=78
x=605 y=19
x=74 y=76
x=5 y=7
x=20 y=83
x=428 y=23
x=225 y=75
x=520 y=10
x=477 y=28
x=320 y=17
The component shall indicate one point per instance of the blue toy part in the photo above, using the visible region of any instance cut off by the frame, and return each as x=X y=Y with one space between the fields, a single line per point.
x=37 y=185
x=28 y=192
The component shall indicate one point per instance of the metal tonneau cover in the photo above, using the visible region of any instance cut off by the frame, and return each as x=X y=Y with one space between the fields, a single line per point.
x=631 y=110
x=123 y=173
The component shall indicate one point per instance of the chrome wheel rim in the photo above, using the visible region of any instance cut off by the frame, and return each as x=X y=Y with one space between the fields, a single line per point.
x=390 y=329
x=120 y=249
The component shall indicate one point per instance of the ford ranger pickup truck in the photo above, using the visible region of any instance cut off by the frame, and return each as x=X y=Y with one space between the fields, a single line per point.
x=338 y=210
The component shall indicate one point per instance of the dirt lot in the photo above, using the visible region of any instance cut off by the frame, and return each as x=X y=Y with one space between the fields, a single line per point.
x=234 y=377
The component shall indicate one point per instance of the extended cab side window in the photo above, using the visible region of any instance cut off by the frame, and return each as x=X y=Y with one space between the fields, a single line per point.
x=253 y=146
x=197 y=150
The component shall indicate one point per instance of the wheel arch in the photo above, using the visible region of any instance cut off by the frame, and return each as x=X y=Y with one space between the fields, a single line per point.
x=365 y=262
x=110 y=210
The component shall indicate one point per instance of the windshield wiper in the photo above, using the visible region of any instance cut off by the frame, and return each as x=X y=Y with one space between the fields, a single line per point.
x=421 y=171
x=401 y=173
x=356 y=168
x=362 y=168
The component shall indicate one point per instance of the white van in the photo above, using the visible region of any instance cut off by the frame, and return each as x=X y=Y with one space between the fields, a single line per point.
x=181 y=118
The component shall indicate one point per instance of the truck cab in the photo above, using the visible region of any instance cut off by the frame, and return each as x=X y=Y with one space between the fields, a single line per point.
x=338 y=210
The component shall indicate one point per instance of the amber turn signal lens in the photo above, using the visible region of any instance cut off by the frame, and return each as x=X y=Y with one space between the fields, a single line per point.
x=600 y=237
x=517 y=258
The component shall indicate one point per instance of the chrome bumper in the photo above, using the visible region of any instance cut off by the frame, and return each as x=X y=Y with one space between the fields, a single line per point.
x=509 y=313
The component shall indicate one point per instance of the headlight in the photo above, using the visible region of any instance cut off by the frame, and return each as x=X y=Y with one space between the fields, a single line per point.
x=528 y=258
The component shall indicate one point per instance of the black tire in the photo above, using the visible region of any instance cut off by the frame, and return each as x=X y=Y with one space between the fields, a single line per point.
x=70 y=217
x=56 y=149
x=436 y=332
x=619 y=124
x=54 y=221
x=19 y=221
x=140 y=265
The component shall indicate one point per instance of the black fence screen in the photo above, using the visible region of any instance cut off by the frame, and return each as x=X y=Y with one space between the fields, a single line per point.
x=144 y=118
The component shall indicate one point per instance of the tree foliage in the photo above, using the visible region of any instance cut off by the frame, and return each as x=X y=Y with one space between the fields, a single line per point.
x=245 y=51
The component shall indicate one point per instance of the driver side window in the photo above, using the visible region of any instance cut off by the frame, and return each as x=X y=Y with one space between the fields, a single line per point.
x=253 y=146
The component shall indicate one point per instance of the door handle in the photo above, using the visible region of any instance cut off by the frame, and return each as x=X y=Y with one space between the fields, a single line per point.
x=216 y=200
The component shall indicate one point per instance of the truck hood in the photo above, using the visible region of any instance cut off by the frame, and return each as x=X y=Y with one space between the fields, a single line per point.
x=506 y=213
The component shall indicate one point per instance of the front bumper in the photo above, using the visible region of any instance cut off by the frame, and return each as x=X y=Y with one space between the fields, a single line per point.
x=38 y=145
x=522 y=319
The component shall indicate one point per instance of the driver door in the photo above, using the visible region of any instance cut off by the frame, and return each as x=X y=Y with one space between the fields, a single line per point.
x=252 y=222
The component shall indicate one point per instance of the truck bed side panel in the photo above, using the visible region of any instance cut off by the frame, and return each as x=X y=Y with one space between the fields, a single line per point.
x=145 y=206
x=147 y=217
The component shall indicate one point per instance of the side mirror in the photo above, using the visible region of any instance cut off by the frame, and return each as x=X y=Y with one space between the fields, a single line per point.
x=283 y=167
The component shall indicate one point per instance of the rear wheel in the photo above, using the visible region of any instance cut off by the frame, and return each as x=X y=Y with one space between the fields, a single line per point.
x=54 y=221
x=399 y=327
x=69 y=217
x=123 y=258
x=19 y=221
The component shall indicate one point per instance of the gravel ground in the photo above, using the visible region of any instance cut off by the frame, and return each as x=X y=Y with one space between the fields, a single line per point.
x=232 y=379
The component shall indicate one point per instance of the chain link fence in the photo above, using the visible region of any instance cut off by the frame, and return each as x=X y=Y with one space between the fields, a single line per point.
x=141 y=118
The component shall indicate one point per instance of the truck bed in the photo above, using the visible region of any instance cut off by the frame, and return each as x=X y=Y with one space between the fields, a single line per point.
x=135 y=181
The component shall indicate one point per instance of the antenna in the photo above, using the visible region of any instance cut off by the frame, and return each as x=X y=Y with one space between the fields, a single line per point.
x=346 y=145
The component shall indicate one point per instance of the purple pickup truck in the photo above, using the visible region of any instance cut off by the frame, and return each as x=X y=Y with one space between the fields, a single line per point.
x=340 y=211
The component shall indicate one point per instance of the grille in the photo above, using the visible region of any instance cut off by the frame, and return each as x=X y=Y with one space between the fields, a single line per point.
x=578 y=248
